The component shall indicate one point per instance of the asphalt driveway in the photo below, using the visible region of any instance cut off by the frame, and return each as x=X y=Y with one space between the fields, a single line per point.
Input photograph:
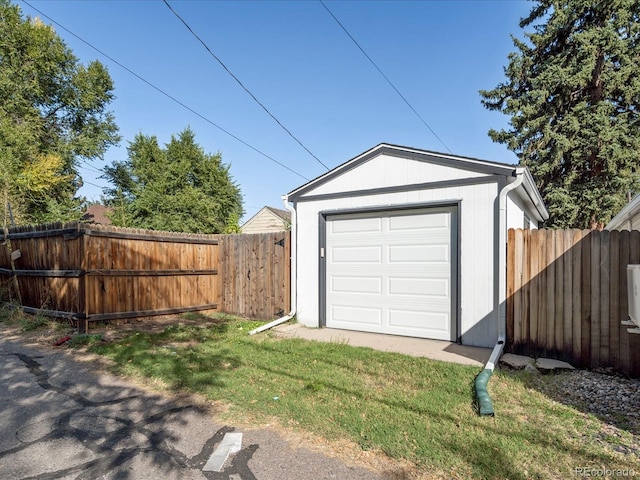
x=61 y=419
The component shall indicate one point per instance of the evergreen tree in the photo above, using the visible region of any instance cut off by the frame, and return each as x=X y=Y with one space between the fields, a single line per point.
x=52 y=116
x=178 y=188
x=573 y=95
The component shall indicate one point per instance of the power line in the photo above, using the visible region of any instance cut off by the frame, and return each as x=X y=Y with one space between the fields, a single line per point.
x=88 y=166
x=85 y=181
x=384 y=76
x=165 y=93
x=242 y=85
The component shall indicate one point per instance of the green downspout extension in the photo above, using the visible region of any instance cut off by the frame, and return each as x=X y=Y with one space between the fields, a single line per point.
x=485 y=407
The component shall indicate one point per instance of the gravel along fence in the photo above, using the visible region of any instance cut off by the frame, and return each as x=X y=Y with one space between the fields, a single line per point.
x=613 y=398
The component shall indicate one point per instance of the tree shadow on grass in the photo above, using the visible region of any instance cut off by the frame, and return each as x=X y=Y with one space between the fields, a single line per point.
x=443 y=435
x=92 y=426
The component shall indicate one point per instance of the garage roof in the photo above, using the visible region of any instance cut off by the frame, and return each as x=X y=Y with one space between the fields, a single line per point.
x=528 y=192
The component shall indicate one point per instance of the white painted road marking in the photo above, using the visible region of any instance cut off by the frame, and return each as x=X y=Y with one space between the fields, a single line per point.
x=231 y=443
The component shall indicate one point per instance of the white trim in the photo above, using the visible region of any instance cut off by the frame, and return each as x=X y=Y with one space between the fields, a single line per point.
x=501 y=297
x=625 y=215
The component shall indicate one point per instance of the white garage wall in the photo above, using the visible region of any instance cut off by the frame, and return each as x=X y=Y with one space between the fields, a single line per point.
x=478 y=321
x=516 y=213
x=386 y=170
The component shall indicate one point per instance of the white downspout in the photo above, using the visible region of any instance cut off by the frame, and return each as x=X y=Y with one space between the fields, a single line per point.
x=290 y=315
x=501 y=307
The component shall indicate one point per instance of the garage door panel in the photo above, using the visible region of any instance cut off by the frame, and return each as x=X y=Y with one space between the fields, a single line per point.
x=347 y=315
x=410 y=319
x=357 y=285
x=419 y=222
x=419 y=253
x=349 y=225
x=417 y=270
x=364 y=254
x=440 y=235
x=426 y=305
x=418 y=287
x=391 y=272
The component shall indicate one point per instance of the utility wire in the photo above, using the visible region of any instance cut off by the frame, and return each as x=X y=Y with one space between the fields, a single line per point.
x=166 y=94
x=384 y=76
x=242 y=85
x=88 y=166
x=99 y=186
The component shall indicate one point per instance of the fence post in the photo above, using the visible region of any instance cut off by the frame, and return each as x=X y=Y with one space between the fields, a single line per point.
x=83 y=307
x=14 y=277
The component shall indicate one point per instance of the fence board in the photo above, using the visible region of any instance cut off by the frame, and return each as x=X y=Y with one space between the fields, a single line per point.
x=624 y=258
x=585 y=305
x=576 y=285
x=605 y=279
x=526 y=294
x=567 y=298
x=596 y=299
x=557 y=323
x=634 y=340
x=532 y=343
x=513 y=299
x=614 y=300
x=571 y=286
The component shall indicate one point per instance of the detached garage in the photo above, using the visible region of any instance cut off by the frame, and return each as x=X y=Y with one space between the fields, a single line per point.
x=407 y=242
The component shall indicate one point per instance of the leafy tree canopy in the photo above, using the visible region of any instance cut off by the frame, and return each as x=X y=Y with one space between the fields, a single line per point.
x=572 y=91
x=178 y=188
x=52 y=116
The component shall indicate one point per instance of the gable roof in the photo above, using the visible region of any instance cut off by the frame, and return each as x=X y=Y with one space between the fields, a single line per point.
x=283 y=214
x=530 y=194
x=465 y=163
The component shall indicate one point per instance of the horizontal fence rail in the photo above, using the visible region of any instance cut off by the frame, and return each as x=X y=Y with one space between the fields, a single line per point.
x=94 y=273
x=567 y=296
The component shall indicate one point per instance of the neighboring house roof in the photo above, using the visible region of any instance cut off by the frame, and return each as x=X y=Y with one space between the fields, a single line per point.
x=97 y=214
x=283 y=214
x=268 y=219
x=529 y=192
x=628 y=218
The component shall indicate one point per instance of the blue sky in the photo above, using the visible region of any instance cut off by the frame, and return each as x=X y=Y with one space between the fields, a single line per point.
x=295 y=58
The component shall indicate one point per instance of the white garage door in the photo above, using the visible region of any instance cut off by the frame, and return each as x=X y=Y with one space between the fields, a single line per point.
x=392 y=272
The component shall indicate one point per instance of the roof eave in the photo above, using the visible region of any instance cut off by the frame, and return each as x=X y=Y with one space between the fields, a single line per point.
x=625 y=214
x=471 y=163
x=533 y=195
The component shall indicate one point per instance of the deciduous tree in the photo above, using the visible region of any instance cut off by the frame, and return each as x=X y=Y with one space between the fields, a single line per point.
x=53 y=115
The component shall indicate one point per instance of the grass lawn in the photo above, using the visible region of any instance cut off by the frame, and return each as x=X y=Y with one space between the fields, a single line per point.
x=413 y=410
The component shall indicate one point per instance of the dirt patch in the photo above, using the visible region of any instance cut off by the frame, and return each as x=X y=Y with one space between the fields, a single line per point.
x=54 y=330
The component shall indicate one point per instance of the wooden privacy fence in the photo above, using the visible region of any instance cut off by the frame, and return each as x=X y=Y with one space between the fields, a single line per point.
x=91 y=273
x=567 y=294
